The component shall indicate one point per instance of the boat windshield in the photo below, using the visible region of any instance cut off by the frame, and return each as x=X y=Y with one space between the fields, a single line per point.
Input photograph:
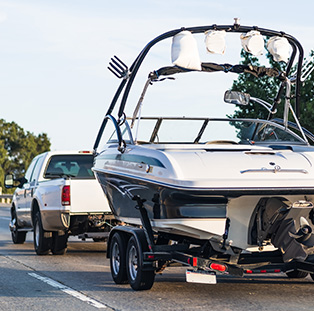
x=202 y=130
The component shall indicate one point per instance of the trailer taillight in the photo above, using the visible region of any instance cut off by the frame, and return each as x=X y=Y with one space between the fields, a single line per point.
x=65 y=196
x=218 y=267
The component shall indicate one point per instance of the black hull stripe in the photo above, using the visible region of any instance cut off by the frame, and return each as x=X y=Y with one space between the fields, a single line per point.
x=229 y=192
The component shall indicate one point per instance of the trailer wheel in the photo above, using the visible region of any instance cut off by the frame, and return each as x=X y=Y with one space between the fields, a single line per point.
x=118 y=259
x=59 y=242
x=139 y=279
x=42 y=238
x=296 y=274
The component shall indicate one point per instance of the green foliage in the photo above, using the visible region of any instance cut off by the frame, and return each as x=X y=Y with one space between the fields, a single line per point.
x=18 y=148
x=307 y=102
x=266 y=89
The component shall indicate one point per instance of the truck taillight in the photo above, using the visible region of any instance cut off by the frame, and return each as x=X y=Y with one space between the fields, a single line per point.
x=65 y=196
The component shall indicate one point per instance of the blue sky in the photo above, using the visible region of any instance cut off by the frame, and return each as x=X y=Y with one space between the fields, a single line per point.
x=54 y=54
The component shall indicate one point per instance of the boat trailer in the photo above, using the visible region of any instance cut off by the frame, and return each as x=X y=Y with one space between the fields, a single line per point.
x=137 y=254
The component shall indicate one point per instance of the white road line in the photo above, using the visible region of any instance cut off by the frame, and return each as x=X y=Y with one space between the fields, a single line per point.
x=5 y=218
x=69 y=291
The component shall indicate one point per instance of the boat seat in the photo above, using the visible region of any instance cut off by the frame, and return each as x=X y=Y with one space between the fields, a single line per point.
x=83 y=172
x=55 y=171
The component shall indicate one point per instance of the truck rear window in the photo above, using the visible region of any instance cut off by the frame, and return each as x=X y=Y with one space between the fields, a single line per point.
x=74 y=166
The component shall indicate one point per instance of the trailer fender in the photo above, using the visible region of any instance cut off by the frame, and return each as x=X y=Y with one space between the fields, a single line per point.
x=127 y=232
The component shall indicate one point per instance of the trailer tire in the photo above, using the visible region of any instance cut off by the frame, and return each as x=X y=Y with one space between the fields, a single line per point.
x=139 y=279
x=296 y=274
x=59 y=242
x=118 y=258
x=42 y=238
x=18 y=237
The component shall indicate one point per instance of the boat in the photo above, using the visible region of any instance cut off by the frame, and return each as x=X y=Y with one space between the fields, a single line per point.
x=233 y=186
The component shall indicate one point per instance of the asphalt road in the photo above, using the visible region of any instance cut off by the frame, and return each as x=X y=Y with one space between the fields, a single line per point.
x=81 y=280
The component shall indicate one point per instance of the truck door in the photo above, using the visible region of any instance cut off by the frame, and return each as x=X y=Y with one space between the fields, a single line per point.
x=33 y=183
x=23 y=212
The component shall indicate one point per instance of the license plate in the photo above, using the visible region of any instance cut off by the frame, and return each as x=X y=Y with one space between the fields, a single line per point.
x=200 y=276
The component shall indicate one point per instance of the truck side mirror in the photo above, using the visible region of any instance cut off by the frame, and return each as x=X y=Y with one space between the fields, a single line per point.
x=9 y=181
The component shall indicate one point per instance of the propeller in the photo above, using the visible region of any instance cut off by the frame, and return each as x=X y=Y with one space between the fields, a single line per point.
x=304 y=233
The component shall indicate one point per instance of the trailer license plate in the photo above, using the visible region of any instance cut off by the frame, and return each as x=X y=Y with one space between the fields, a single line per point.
x=200 y=276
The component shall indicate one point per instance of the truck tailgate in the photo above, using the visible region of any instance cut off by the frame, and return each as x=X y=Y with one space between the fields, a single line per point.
x=87 y=197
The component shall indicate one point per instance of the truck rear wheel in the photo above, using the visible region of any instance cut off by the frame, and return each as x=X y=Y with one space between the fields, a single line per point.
x=59 y=242
x=18 y=237
x=139 y=278
x=42 y=238
x=118 y=258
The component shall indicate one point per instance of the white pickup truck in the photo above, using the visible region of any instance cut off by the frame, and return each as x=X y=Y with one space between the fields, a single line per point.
x=58 y=196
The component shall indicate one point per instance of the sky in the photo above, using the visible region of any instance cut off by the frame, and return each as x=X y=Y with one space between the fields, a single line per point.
x=54 y=53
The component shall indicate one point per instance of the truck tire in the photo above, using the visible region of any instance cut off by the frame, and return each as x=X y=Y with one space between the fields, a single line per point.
x=139 y=279
x=118 y=258
x=296 y=274
x=59 y=242
x=18 y=237
x=42 y=238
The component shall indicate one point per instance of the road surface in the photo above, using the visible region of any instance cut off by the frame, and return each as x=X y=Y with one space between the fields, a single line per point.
x=81 y=280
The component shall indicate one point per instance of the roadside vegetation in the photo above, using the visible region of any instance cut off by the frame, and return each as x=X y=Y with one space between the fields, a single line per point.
x=266 y=89
x=17 y=149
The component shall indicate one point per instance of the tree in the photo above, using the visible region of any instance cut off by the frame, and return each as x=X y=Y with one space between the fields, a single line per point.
x=307 y=101
x=18 y=148
x=266 y=89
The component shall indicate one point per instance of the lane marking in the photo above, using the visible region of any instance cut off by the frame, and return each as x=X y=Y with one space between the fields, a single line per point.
x=5 y=218
x=69 y=291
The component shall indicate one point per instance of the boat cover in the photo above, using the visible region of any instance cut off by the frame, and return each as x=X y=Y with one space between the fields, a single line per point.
x=213 y=67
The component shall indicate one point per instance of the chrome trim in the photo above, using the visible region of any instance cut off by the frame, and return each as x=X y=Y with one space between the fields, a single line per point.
x=276 y=169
